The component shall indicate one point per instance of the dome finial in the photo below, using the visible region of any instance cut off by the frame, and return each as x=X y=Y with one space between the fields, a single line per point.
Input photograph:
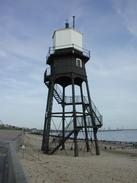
x=66 y=24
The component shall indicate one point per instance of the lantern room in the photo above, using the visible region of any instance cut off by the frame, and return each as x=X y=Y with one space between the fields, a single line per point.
x=66 y=38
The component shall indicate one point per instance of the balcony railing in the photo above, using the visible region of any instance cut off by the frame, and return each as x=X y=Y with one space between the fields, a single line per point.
x=73 y=46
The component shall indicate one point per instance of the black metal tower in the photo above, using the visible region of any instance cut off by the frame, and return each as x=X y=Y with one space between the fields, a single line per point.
x=66 y=61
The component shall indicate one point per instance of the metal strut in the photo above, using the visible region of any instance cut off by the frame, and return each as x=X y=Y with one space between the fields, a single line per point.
x=86 y=105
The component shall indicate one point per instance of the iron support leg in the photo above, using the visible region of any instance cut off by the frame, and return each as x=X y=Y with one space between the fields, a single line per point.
x=48 y=119
x=93 y=121
x=63 y=119
x=44 y=131
x=84 y=118
x=96 y=141
x=74 y=120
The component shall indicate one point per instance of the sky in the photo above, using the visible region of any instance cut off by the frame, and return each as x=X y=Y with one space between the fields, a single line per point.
x=109 y=28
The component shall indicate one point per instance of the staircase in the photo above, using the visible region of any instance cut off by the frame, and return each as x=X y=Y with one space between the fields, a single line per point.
x=56 y=93
x=57 y=142
x=98 y=118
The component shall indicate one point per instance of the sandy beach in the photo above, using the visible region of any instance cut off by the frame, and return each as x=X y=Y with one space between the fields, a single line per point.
x=116 y=164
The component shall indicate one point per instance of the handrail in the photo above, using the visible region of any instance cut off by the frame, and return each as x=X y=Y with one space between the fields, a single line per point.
x=68 y=99
x=15 y=172
x=58 y=90
x=84 y=51
x=95 y=110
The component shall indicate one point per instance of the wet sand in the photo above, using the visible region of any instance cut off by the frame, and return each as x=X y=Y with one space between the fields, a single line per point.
x=114 y=165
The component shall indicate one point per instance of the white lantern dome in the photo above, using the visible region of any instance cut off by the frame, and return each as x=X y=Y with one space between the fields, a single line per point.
x=66 y=38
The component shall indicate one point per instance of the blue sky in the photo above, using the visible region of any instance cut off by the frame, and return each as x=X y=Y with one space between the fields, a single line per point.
x=110 y=33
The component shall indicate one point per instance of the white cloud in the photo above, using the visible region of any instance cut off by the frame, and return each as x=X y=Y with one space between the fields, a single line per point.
x=118 y=64
x=127 y=9
x=24 y=41
x=113 y=79
x=21 y=38
x=3 y=53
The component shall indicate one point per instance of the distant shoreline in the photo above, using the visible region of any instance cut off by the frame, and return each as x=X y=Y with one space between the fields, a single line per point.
x=117 y=130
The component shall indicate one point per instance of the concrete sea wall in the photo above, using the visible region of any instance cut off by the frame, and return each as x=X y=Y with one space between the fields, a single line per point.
x=12 y=171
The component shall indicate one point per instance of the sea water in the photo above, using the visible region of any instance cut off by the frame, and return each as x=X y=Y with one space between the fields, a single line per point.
x=118 y=135
x=110 y=135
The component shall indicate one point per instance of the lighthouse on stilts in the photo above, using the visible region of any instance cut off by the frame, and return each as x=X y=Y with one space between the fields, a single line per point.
x=68 y=116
